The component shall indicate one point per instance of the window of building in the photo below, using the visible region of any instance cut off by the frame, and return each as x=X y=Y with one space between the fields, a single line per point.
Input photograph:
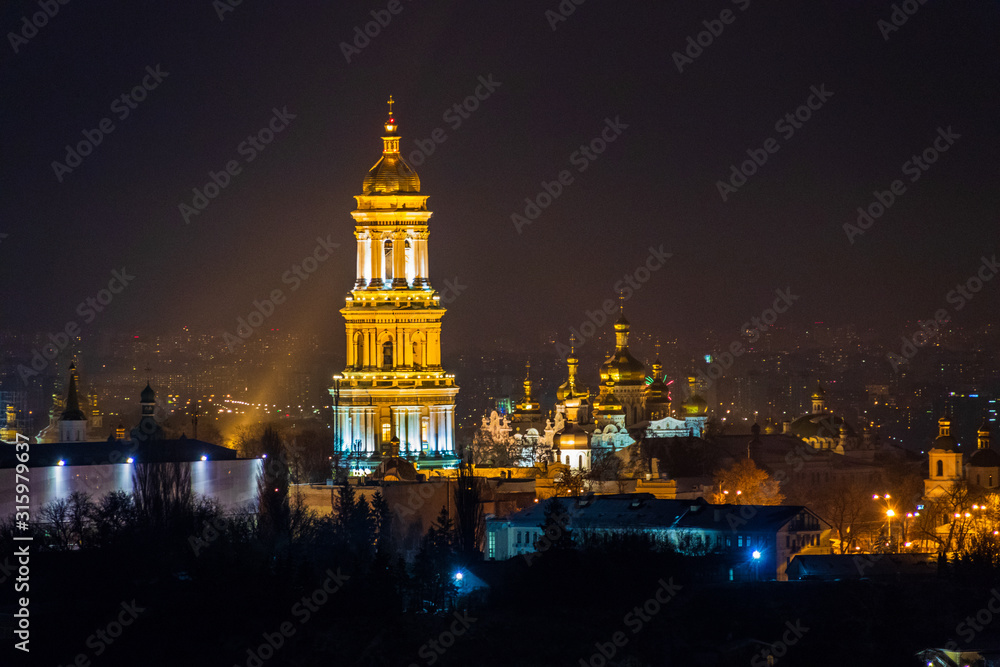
x=425 y=429
x=729 y=541
x=387 y=354
x=739 y=540
x=940 y=468
x=386 y=431
x=519 y=537
x=491 y=545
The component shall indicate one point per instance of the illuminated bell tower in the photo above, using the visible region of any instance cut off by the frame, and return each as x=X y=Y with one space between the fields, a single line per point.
x=393 y=385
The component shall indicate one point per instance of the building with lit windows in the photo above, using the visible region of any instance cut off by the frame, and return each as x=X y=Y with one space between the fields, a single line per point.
x=394 y=397
x=749 y=541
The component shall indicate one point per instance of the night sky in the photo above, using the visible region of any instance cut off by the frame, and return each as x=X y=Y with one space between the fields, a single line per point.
x=655 y=184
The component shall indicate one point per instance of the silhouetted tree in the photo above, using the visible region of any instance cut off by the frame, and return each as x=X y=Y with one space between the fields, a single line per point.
x=382 y=521
x=273 y=511
x=434 y=566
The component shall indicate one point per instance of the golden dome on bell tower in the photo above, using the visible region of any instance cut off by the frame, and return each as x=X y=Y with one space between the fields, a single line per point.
x=391 y=174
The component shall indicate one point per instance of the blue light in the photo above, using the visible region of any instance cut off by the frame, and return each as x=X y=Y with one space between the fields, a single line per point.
x=458 y=576
x=756 y=555
x=61 y=462
x=708 y=358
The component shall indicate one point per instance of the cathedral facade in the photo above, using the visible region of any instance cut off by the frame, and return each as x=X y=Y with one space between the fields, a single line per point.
x=394 y=398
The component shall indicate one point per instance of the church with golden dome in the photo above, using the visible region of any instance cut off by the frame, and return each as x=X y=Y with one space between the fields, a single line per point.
x=393 y=398
x=586 y=422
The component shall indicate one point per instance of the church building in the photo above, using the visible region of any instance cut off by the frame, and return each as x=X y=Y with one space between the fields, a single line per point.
x=394 y=398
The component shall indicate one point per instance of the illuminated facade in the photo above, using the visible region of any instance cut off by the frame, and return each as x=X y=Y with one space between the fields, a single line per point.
x=394 y=391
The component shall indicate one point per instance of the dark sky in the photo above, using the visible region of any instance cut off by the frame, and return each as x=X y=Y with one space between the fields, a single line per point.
x=654 y=185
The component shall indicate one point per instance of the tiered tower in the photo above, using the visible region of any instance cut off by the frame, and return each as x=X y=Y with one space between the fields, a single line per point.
x=393 y=385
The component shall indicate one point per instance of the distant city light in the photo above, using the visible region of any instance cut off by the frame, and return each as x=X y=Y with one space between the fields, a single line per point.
x=61 y=462
x=129 y=460
x=204 y=458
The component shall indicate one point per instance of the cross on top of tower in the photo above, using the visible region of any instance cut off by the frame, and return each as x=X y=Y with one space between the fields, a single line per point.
x=391 y=102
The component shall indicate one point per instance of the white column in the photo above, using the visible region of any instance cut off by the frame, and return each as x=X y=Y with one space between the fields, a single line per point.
x=399 y=428
x=413 y=431
x=360 y=282
x=357 y=423
x=450 y=427
x=432 y=428
x=420 y=260
x=371 y=426
x=343 y=432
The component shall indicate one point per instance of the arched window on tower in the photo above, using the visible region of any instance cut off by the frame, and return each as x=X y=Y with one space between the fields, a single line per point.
x=387 y=354
x=418 y=353
x=359 y=351
x=940 y=468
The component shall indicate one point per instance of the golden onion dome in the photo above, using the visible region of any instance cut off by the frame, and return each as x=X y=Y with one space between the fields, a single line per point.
x=621 y=367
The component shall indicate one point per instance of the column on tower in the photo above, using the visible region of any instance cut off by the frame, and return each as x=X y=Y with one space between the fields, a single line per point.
x=420 y=260
x=410 y=251
x=399 y=428
x=343 y=428
x=449 y=424
x=399 y=260
x=413 y=428
x=434 y=428
x=361 y=280
x=357 y=430
x=370 y=427
x=376 y=256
